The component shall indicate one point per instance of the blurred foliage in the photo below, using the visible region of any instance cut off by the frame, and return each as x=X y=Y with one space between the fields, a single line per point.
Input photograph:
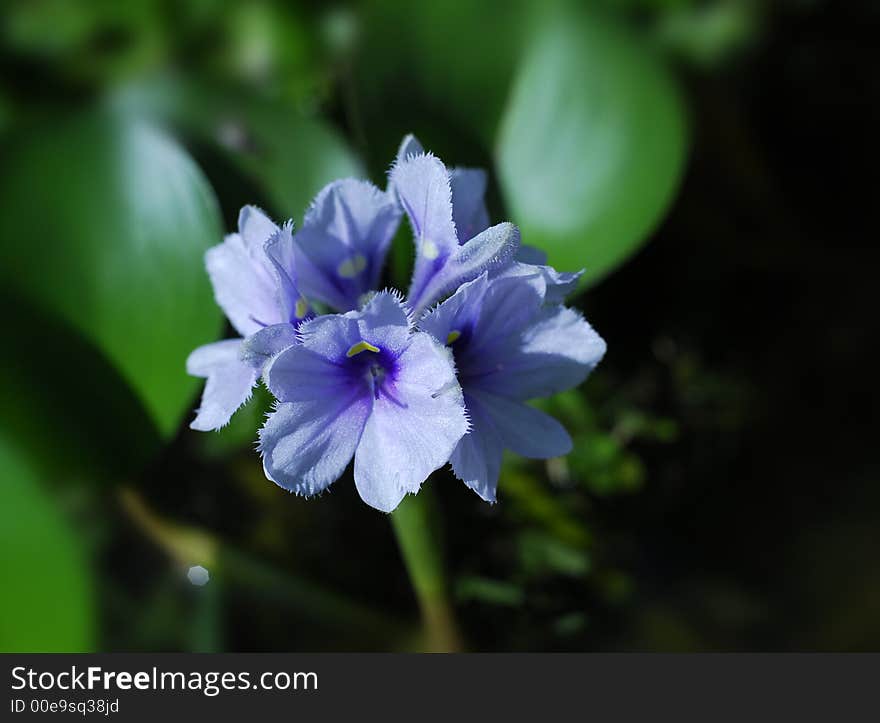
x=105 y=222
x=64 y=400
x=707 y=34
x=43 y=562
x=457 y=81
x=131 y=133
x=592 y=143
x=284 y=156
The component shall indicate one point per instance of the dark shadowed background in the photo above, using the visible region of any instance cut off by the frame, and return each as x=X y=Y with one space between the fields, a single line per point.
x=711 y=163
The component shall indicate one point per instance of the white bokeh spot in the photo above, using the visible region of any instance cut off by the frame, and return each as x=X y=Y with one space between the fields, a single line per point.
x=198 y=575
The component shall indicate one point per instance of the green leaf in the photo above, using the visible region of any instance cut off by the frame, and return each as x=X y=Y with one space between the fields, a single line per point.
x=64 y=406
x=407 y=54
x=104 y=222
x=542 y=553
x=592 y=143
x=5 y=113
x=708 y=34
x=289 y=157
x=47 y=603
x=532 y=500
x=87 y=42
x=487 y=590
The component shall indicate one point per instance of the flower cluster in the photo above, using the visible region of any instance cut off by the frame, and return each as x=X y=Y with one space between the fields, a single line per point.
x=402 y=385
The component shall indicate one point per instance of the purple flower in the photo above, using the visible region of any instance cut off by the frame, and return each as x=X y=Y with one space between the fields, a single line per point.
x=468 y=187
x=365 y=385
x=247 y=269
x=340 y=249
x=470 y=218
x=229 y=382
x=253 y=277
x=445 y=256
x=510 y=346
x=530 y=262
x=362 y=385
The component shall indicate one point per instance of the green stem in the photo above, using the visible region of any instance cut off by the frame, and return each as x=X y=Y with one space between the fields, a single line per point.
x=415 y=525
x=189 y=545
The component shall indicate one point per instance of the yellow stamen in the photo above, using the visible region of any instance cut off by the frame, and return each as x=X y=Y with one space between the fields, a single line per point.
x=453 y=336
x=361 y=346
x=429 y=249
x=302 y=306
x=352 y=266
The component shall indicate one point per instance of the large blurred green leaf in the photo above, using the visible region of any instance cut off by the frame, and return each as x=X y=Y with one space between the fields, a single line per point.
x=47 y=602
x=441 y=55
x=86 y=42
x=104 y=222
x=289 y=157
x=63 y=404
x=592 y=143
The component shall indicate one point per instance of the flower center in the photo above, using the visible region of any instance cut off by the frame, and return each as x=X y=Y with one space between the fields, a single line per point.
x=377 y=376
x=372 y=365
x=467 y=359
